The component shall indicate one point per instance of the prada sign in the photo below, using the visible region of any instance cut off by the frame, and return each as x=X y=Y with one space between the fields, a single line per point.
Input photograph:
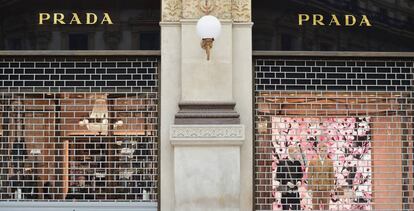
x=333 y=20
x=88 y=18
x=80 y=25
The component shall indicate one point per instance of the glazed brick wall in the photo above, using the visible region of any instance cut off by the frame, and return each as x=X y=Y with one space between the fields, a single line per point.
x=78 y=74
x=332 y=74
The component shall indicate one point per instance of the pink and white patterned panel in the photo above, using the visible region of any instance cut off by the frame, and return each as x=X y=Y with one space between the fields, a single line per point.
x=349 y=147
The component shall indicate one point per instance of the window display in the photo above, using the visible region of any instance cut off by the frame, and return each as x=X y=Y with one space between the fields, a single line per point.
x=335 y=156
x=333 y=151
x=79 y=146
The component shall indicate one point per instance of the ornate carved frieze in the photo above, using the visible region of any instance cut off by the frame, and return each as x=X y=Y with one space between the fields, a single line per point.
x=236 y=10
x=241 y=10
x=194 y=9
x=207 y=132
x=171 y=10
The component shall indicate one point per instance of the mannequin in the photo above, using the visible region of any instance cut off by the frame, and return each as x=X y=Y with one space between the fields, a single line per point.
x=321 y=178
x=289 y=175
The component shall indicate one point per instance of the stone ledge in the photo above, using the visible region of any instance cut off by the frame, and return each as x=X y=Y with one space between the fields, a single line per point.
x=207 y=113
x=230 y=135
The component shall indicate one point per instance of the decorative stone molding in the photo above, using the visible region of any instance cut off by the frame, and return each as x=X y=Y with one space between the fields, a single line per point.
x=195 y=9
x=202 y=113
x=171 y=10
x=236 y=10
x=241 y=10
x=207 y=134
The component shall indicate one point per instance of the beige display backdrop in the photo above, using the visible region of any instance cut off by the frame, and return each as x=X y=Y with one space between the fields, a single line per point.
x=387 y=163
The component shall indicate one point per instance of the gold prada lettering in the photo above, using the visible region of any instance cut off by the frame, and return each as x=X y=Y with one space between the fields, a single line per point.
x=106 y=19
x=365 y=21
x=75 y=19
x=43 y=17
x=91 y=18
x=333 y=20
x=303 y=17
x=318 y=20
x=58 y=18
x=350 y=20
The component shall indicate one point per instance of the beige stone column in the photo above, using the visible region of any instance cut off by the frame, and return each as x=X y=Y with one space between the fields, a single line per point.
x=206 y=108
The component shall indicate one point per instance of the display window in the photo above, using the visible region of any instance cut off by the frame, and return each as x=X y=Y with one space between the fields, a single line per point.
x=334 y=150
x=79 y=146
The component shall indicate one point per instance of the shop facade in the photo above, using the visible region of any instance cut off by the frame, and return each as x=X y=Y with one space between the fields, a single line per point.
x=364 y=126
x=114 y=105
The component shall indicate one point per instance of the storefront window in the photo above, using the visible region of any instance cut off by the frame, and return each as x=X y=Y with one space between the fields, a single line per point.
x=333 y=134
x=81 y=128
x=78 y=146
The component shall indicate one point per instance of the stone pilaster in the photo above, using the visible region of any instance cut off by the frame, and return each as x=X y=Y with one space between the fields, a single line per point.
x=207 y=151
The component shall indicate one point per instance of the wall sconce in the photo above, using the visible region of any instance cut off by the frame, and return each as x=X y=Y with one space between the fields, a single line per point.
x=208 y=28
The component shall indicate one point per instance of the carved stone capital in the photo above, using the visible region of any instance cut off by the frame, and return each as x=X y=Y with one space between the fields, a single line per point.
x=236 y=10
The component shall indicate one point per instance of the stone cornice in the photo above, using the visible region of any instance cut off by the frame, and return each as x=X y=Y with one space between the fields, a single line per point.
x=202 y=113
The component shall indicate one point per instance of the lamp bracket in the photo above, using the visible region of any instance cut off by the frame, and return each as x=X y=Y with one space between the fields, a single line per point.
x=207 y=44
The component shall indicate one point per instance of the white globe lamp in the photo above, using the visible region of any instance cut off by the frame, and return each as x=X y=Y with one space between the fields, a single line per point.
x=208 y=28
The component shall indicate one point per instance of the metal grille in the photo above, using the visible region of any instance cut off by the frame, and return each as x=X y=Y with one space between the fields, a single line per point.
x=86 y=146
x=303 y=112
